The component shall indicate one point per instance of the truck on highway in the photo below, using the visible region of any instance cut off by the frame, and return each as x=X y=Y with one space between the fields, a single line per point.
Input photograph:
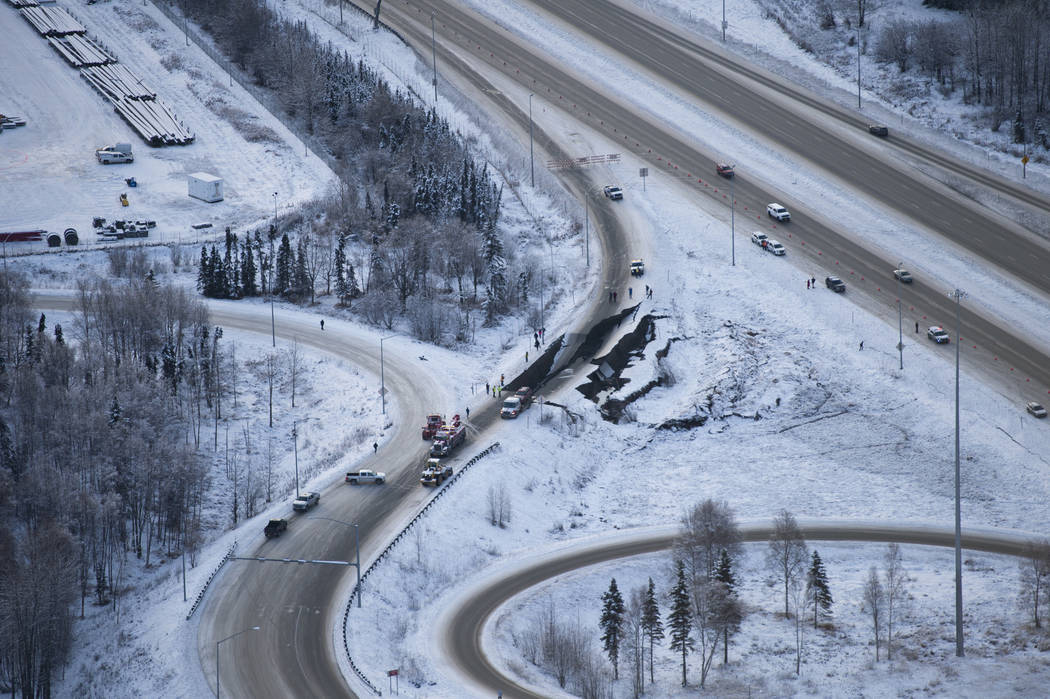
x=435 y=472
x=365 y=476
x=305 y=501
x=275 y=527
x=434 y=423
x=513 y=406
x=117 y=153
x=448 y=438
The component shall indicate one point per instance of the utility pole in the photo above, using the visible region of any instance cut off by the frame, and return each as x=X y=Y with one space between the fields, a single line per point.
x=532 y=170
x=434 y=58
x=958 y=295
x=724 y=23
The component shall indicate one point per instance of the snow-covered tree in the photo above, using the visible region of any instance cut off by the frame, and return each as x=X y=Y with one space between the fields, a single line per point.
x=611 y=624
x=817 y=588
x=680 y=617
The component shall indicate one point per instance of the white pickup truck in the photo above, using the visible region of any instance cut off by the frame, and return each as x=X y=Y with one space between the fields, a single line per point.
x=365 y=476
x=117 y=153
x=305 y=501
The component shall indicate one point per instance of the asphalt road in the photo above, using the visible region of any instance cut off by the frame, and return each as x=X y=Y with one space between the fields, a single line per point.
x=789 y=118
x=462 y=641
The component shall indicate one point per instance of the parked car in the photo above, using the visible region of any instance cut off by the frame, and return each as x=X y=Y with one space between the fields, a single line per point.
x=775 y=247
x=778 y=212
x=938 y=335
x=835 y=284
x=902 y=275
x=724 y=169
x=878 y=130
x=759 y=238
x=305 y=501
x=1036 y=409
x=612 y=192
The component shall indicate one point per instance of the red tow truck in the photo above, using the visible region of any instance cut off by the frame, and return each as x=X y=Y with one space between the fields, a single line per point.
x=434 y=423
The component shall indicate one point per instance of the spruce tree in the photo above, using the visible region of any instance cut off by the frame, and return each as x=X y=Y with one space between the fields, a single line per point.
x=680 y=619
x=300 y=278
x=342 y=289
x=651 y=623
x=612 y=625
x=204 y=273
x=731 y=611
x=817 y=588
x=285 y=260
x=248 y=271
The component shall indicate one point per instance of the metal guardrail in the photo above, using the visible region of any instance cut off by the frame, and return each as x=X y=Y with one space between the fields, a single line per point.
x=200 y=596
x=389 y=549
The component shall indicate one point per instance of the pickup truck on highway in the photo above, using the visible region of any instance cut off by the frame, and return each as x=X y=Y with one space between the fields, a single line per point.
x=305 y=501
x=275 y=527
x=365 y=476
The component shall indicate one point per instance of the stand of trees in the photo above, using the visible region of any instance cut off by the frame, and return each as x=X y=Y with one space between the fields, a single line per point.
x=97 y=460
x=416 y=206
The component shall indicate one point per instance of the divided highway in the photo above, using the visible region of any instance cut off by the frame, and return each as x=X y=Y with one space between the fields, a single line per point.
x=468 y=42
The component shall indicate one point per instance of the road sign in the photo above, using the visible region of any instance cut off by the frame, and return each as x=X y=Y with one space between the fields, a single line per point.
x=1024 y=160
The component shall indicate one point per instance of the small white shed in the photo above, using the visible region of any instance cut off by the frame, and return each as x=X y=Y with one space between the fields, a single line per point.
x=205 y=187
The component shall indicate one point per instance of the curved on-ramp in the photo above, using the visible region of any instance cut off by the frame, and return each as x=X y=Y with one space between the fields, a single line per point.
x=462 y=624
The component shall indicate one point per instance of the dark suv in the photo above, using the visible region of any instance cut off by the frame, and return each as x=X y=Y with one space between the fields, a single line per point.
x=835 y=284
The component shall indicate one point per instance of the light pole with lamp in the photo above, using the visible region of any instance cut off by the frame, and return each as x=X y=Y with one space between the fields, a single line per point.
x=357 y=547
x=532 y=170
x=295 y=446
x=958 y=295
x=273 y=318
x=900 y=315
x=217 y=643
x=732 y=220
x=382 y=373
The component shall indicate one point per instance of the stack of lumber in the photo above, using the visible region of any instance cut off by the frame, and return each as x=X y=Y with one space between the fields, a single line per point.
x=80 y=51
x=23 y=3
x=150 y=117
x=52 y=21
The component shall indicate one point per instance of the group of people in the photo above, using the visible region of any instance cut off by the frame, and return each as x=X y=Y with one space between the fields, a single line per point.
x=614 y=296
x=496 y=389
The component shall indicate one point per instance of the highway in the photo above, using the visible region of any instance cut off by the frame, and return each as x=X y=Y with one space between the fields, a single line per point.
x=462 y=624
x=467 y=42
x=296 y=605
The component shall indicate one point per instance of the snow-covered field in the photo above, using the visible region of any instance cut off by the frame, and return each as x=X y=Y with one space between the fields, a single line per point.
x=48 y=173
x=798 y=418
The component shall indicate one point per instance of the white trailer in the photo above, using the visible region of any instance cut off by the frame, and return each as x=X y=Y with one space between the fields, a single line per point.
x=205 y=187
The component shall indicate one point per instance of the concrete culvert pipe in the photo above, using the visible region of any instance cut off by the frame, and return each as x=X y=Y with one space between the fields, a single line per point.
x=71 y=236
x=54 y=240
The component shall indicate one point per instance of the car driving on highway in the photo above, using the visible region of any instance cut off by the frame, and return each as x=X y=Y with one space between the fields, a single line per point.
x=938 y=335
x=902 y=275
x=612 y=192
x=778 y=212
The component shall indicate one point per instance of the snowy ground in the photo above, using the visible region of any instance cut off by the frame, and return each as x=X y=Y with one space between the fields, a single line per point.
x=48 y=172
x=852 y=436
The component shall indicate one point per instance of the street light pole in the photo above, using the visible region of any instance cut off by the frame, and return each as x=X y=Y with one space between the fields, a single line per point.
x=732 y=219
x=900 y=318
x=357 y=546
x=217 y=643
x=532 y=170
x=587 y=228
x=434 y=59
x=295 y=443
x=724 y=23
x=958 y=295
x=382 y=372
x=858 y=66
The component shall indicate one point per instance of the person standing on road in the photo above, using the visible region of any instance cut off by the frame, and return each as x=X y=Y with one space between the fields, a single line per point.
x=322 y=324
x=468 y=413
x=916 y=326
x=486 y=388
x=375 y=447
x=807 y=283
x=630 y=292
x=862 y=345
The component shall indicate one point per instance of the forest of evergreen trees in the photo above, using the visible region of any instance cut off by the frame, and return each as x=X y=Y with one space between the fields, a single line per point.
x=416 y=216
